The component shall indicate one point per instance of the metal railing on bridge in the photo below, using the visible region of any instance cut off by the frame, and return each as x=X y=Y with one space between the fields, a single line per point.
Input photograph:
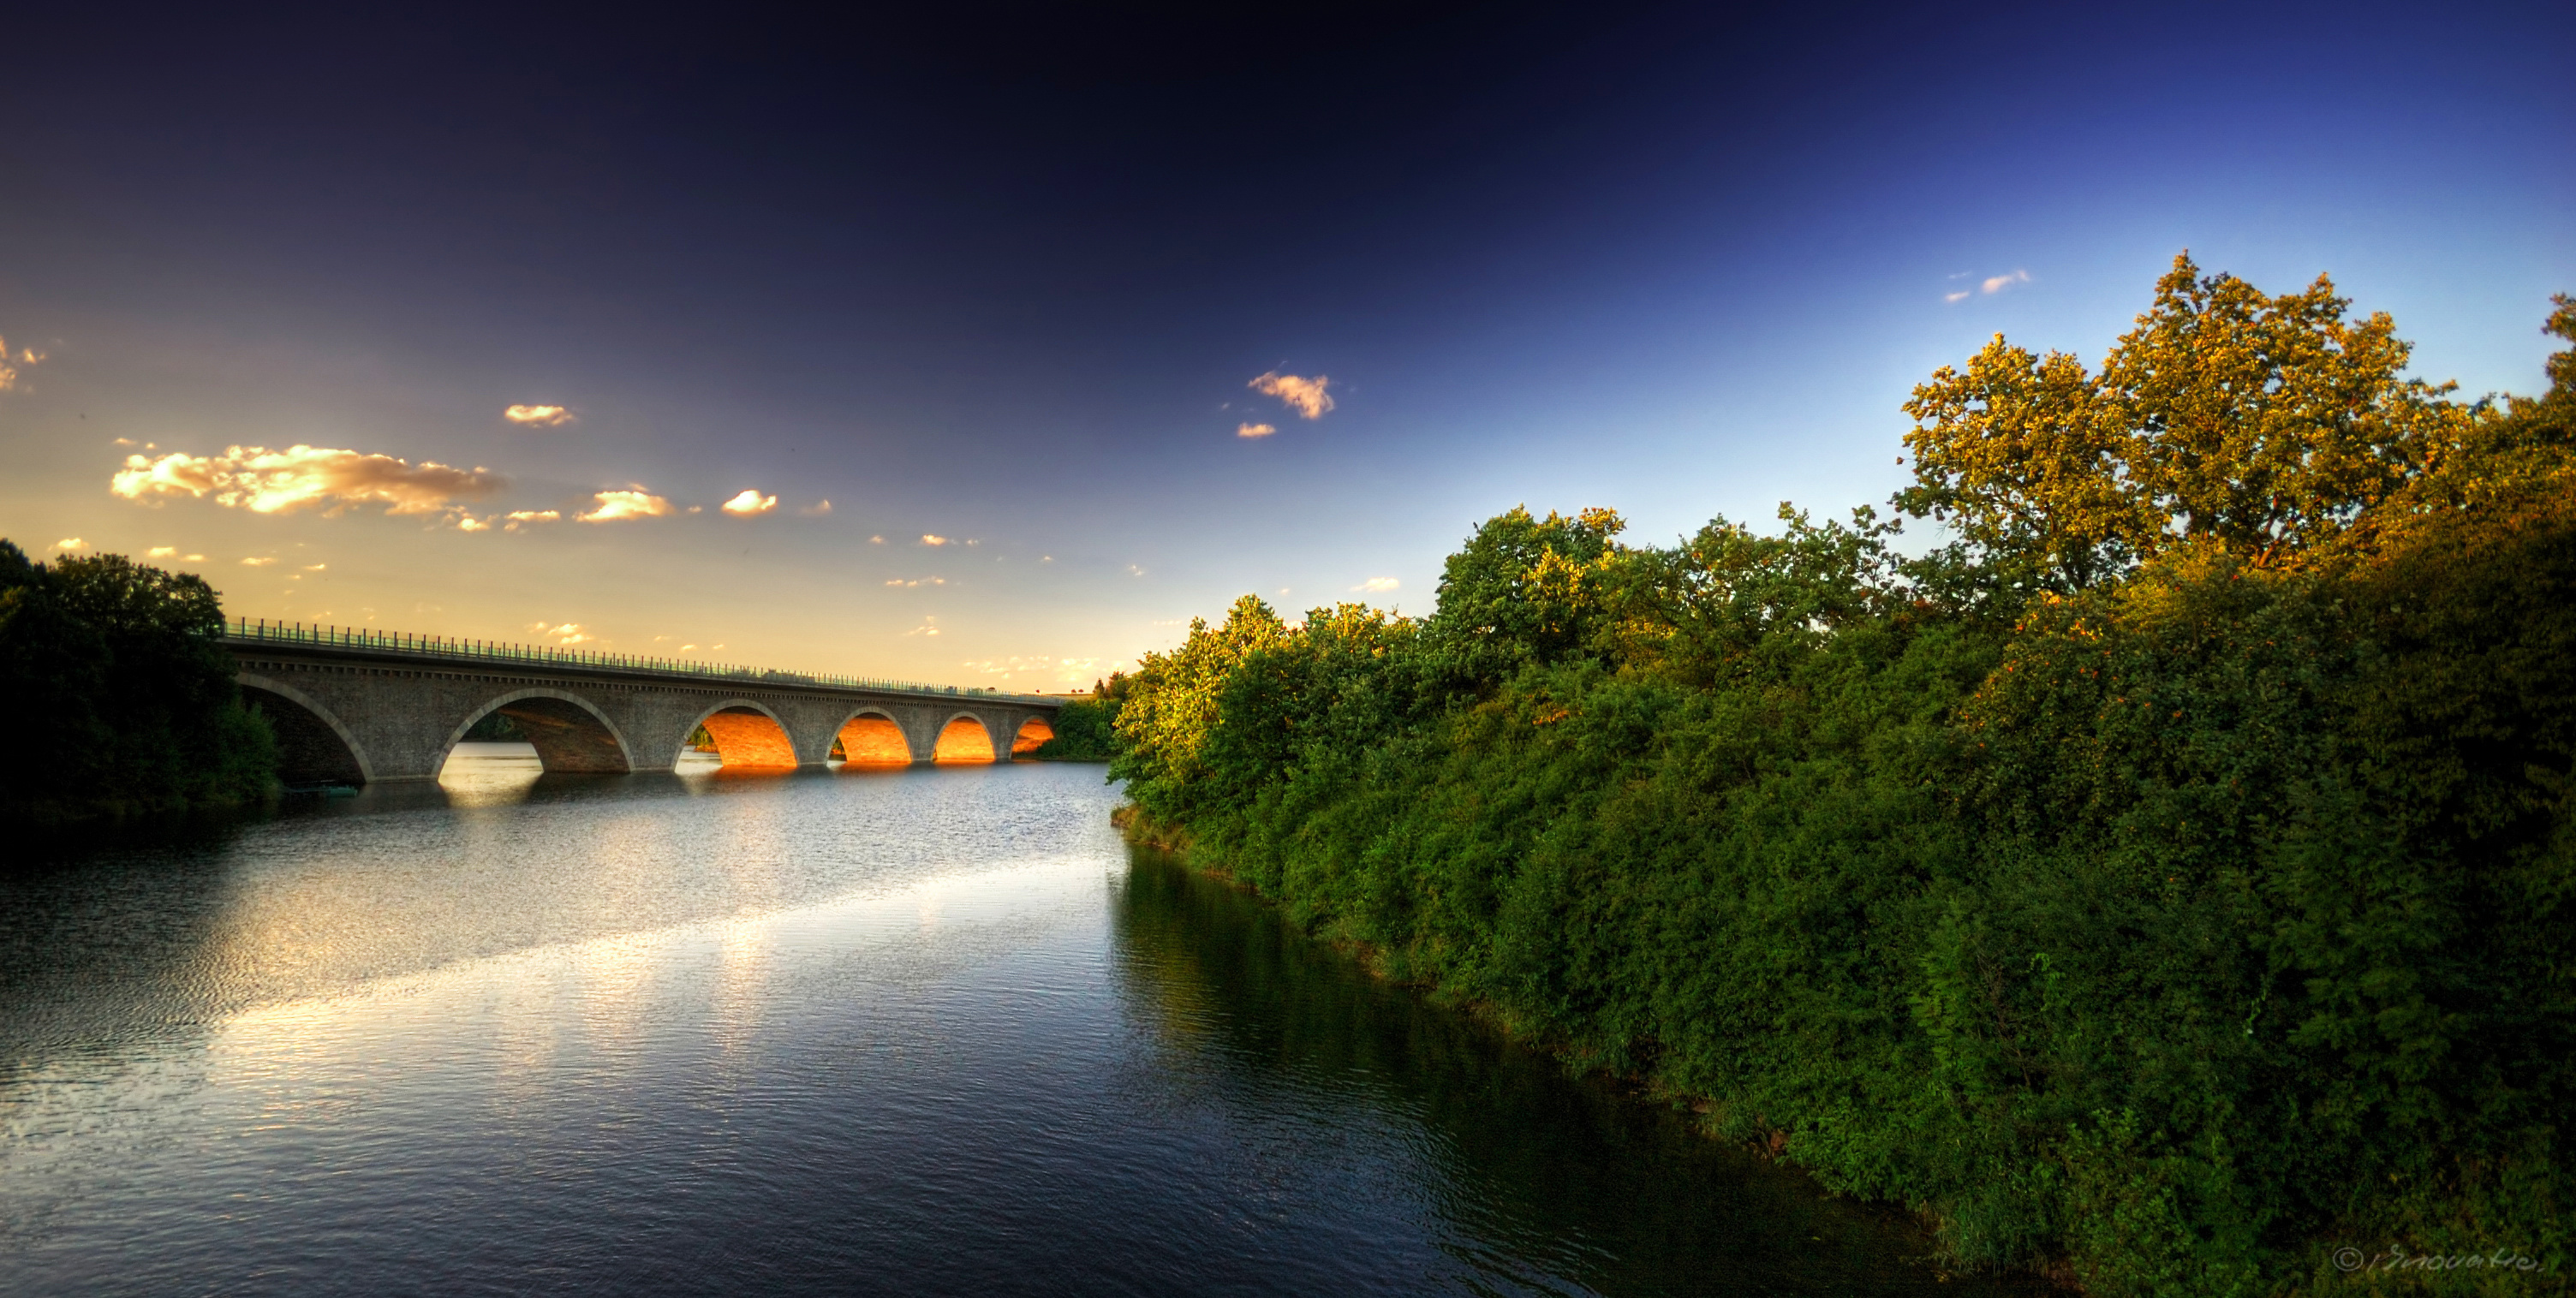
x=263 y=631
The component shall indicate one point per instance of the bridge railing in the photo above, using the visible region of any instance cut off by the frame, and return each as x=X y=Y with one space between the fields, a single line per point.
x=263 y=631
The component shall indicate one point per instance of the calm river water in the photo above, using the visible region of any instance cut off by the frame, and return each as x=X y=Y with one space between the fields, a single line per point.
x=931 y=1031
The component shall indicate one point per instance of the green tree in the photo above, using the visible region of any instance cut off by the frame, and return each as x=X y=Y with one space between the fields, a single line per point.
x=121 y=670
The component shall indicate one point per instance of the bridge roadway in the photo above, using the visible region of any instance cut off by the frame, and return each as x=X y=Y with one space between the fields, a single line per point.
x=354 y=707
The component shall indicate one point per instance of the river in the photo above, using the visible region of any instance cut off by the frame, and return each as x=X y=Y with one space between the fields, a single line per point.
x=927 y=1031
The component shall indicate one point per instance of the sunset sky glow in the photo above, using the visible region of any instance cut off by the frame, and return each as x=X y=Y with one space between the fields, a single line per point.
x=990 y=348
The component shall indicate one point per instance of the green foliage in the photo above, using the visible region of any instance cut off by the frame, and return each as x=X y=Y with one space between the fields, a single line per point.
x=2172 y=921
x=129 y=699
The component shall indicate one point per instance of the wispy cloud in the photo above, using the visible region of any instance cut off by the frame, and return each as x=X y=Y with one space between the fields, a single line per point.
x=928 y=539
x=540 y=416
x=1254 y=430
x=8 y=373
x=1998 y=283
x=562 y=633
x=929 y=626
x=161 y=552
x=618 y=506
x=1377 y=585
x=1305 y=396
x=918 y=581
x=750 y=502
x=271 y=482
x=1960 y=296
x=258 y=563
x=876 y=540
x=520 y=516
x=817 y=509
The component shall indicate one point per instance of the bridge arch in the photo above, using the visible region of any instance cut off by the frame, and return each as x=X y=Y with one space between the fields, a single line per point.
x=569 y=732
x=1032 y=733
x=870 y=736
x=965 y=739
x=748 y=735
x=313 y=746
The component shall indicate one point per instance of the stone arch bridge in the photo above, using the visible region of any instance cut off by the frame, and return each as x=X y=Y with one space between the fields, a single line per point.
x=357 y=707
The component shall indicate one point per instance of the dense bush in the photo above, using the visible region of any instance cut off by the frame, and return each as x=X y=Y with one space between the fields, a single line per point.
x=124 y=694
x=1085 y=728
x=2168 y=882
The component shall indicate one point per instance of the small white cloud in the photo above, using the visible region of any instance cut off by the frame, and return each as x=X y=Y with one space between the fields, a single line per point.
x=617 y=506
x=929 y=626
x=539 y=416
x=817 y=509
x=921 y=581
x=315 y=567
x=161 y=552
x=469 y=523
x=257 y=563
x=876 y=540
x=1305 y=396
x=562 y=633
x=1046 y=558
x=1134 y=571
x=750 y=502
x=1254 y=430
x=70 y=543
x=928 y=539
x=1960 y=296
x=194 y=558
x=1377 y=585
x=1998 y=283
x=124 y=441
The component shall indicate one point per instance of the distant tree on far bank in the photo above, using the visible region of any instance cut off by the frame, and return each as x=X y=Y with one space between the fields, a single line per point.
x=126 y=698
x=1083 y=727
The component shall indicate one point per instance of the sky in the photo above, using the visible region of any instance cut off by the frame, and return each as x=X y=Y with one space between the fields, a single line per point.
x=989 y=346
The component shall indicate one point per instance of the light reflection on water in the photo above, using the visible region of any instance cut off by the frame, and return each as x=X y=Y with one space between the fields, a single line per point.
x=909 y=1031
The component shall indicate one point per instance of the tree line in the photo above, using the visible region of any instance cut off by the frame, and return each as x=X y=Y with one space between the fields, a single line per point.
x=2163 y=881
x=123 y=692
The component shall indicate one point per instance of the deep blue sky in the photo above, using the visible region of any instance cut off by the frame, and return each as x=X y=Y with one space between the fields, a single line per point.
x=1005 y=274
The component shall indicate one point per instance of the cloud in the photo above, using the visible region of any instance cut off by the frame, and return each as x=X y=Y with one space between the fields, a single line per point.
x=817 y=509
x=876 y=540
x=1998 y=283
x=70 y=543
x=750 y=502
x=194 y=558
x=539 y=416
x=1305 y=396
x=616 y=506
x=469 y=523
x=1377 y=585
x=929 y=626
x=565 y=633
x=1254 y=430
x=161 y=552
x=1134 y=571
x=271 y=482
x=518 y=516
x=923 y=581
x=257 y=563
x=315 y=567
x=1960 y=296
x=928 y=539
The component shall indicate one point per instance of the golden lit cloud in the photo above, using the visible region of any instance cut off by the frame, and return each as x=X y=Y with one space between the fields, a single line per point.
x=161 y=552
x=270 y=482
x=1377 y=585
x=1305 y=396
x=469 y=523
x=539 y=416
x=565 y=633
x=924 y=581
x=1254 y=430
x=750 y=502
x=70 y=543
x=535 y=515
x=257 y=563
x=928 y=539
x=634 y=502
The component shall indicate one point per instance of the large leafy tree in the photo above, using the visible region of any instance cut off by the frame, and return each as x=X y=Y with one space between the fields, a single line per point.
x=2266 y=426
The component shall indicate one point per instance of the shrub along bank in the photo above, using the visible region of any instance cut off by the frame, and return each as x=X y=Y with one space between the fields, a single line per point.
x=124 y=695
x=2167 y=883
